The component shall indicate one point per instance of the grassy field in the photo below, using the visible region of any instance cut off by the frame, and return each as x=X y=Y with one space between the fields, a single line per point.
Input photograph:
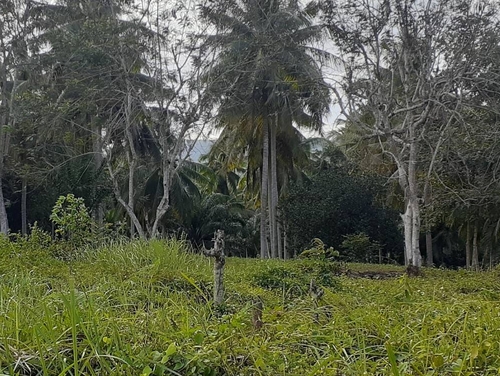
x=144 y=309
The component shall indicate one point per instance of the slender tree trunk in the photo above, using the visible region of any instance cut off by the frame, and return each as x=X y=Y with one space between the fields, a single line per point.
x=4 y=119
x=4 y=221
x=280 y=241
x=486 y=256
x=407 y=223
x=97 y=146
x=428 y=232
x=285 y=243
x=428 y=246
x=167 y=171
x=468 y=253
x=24 y=193
x=475 y=249
x=416 y=259
x=274 y=191
x=263 y=189
x=130 y=202
x=122 y=202
x=272 y=249
x=131 y=156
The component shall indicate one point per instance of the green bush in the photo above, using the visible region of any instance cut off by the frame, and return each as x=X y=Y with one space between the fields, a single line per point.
x=72 y=220
x=298 y=275
x=359 y=247
x=319 y=251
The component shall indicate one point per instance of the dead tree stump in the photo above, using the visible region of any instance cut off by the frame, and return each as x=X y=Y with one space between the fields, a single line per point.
x=217 y=252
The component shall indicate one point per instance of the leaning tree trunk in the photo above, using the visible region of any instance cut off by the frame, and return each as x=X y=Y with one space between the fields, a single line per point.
x=263 y=189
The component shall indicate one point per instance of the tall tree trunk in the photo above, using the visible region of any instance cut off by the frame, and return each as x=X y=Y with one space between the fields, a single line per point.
x=263 y=189
x=274 y=190
x=285 y=242
x=475 y=249
x=428 y=248
x=486 y=256
x=415 y=257
x=122 y=202
x=428 y=232
x=279 y=240
x=4 y=119
x=24 y=193
x=4 y=222
x=131 y=156
x=270 y=222
x=130 y=201
x=407 y=223
x=97 y=146
x=468 y=253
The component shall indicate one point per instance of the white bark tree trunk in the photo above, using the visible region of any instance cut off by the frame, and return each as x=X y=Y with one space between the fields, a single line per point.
x=4 y=119
x=263 y=190
x=273 y=223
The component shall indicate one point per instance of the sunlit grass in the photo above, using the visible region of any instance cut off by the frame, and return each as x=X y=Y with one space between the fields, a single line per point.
x=144 y=308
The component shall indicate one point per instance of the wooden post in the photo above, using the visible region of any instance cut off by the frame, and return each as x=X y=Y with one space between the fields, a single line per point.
x=217 y=252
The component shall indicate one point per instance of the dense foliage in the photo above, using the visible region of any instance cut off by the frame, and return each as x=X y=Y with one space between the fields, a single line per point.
x=335 y=204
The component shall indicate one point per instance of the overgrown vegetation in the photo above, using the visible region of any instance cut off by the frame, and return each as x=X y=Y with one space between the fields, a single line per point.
x=141 y=309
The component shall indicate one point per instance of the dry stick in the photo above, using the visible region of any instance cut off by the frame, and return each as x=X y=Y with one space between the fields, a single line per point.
x=316 y=294
x=257 y=314
x=217 y=252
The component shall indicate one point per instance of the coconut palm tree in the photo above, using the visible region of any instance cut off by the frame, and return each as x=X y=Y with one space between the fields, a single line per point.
x=265 y=80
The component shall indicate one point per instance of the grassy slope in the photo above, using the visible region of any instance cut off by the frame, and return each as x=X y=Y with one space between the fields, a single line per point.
x=141 y=308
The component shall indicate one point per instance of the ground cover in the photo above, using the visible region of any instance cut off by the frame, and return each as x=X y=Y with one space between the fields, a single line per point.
x=144 y=309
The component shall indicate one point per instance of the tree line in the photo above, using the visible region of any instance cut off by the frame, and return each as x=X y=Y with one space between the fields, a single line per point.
x=106 y=99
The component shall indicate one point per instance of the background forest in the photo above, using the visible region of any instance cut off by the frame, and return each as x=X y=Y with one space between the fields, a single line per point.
x=105 y=100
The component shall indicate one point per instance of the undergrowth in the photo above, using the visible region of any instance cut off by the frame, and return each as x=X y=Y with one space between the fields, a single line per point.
x=144 y=309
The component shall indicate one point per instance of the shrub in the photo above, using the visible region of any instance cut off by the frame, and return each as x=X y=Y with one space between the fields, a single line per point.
x=359 y=247
x=296 y=276
x=72 y=219
x=318 y=251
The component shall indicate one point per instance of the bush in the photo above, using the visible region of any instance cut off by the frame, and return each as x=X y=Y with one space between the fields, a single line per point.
x=318 y=252
x=296 y=276
x=359 y=247
x=72 y=220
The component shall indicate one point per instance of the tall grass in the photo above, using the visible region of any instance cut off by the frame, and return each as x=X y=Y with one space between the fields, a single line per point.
x=143 y=308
